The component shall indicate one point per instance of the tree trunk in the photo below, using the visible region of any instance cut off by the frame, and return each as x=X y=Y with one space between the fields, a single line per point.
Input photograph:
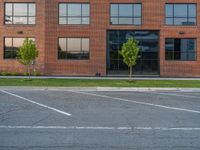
x=131 y=72
x=29 y=73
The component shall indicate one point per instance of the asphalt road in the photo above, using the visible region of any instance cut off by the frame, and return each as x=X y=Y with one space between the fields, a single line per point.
x=73 y=120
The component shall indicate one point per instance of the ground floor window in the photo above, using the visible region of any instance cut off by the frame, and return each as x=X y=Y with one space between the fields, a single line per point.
x=12 y=45
x=73 y=48
x=180 y=49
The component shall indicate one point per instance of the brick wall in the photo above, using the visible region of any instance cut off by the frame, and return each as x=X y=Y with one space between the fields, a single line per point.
x=47 y=30
x=37 y=31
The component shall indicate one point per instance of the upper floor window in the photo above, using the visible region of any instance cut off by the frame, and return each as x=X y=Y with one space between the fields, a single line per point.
x=181 y=14
x=12 y=45
x=180 y=49
x=74 y=13
x=20 y=13
x=126 y=14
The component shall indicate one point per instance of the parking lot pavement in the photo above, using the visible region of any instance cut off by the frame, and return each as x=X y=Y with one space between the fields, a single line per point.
x=80 y=120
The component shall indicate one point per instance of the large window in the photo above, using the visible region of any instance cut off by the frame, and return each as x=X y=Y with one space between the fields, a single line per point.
x=11 y=46
x=180 y=49
x=148 y=58
x=20 y=13
x=74 y=13
x=181 y=14
x=73 y=48
x=126 y=14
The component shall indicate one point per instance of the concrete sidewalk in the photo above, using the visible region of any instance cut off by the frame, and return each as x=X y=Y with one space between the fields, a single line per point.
x=97 y=78
x=99 y=89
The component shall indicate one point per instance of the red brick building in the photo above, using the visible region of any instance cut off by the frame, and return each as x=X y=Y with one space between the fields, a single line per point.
x=83 y=37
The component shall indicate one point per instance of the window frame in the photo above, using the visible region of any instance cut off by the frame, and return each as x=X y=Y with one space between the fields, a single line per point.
x=27 y=24
x=133 y=17
x=73 y=59
x=12 y=37
x=184 y=60
x=173 y=17
x=66 y=17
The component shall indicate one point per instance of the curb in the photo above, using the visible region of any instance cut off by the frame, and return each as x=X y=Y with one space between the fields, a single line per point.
x=101 y=78
x=101 y=89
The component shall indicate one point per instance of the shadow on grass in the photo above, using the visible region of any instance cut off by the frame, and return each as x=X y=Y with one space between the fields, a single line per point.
x=131 y=81
x=27 y=80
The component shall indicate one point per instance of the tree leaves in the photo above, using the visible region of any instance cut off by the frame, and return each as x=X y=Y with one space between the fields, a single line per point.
x=130 y=51
x=27 y=53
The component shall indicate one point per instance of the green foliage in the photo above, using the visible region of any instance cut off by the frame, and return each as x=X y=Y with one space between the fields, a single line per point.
x=4 y=73
x=129 y=52
x=26 y=74
x=36 y=74
x=27 y=54
x=14 y=74
x=9 y=73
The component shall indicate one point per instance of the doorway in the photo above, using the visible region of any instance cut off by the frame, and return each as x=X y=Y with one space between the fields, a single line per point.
x=148 y=58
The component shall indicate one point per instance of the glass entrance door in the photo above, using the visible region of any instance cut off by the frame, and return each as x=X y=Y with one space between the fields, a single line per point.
x=148 y=59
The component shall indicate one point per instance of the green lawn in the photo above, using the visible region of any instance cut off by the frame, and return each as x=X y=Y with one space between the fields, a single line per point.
x=99 y=83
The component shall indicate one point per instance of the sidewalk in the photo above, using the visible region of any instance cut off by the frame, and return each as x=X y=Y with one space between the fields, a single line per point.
x=99 y=89
x=97 y=78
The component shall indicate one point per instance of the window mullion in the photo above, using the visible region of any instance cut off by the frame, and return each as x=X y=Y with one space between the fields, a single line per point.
x=81 y=13
x=187 y=14
x=133 y=14
x=67 y=17
x=27 y=14
x=12 y=13
x=118 y=13
x=173 y=14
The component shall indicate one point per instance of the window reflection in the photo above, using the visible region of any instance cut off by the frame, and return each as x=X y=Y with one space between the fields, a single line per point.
x=74 y=13
x=74 y=9
x=20 y=13
x=180 y=14
x=73 y=48
x=20 y=9
x=126 y=14
x=148 y=55
x=180 y=49
x=12 y=45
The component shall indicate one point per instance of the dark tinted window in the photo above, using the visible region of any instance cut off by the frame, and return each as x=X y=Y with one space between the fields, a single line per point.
x=148 y=56
x=180 y=49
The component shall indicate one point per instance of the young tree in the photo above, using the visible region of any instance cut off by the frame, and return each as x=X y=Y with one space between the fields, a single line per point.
x=27 y=54
x=130 y=51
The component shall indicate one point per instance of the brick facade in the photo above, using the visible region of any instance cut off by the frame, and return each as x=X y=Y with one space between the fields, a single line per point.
x=47 y=30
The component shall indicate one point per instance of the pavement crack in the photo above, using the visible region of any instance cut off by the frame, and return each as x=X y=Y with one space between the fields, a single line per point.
x=40 y=120
x=129 y=123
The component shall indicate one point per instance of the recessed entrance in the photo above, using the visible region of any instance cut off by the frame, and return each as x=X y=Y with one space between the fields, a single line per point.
x=148 y=59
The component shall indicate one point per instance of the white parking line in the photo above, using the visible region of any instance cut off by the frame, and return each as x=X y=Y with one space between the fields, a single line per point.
x=137 y=102
x=31 y=101
x=173 y=94
x=99 y=128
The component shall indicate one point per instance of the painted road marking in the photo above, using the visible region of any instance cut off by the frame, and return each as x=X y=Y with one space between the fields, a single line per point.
x=31 y=101
x=137 y=102
x=99 y=128
x=172 y=94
